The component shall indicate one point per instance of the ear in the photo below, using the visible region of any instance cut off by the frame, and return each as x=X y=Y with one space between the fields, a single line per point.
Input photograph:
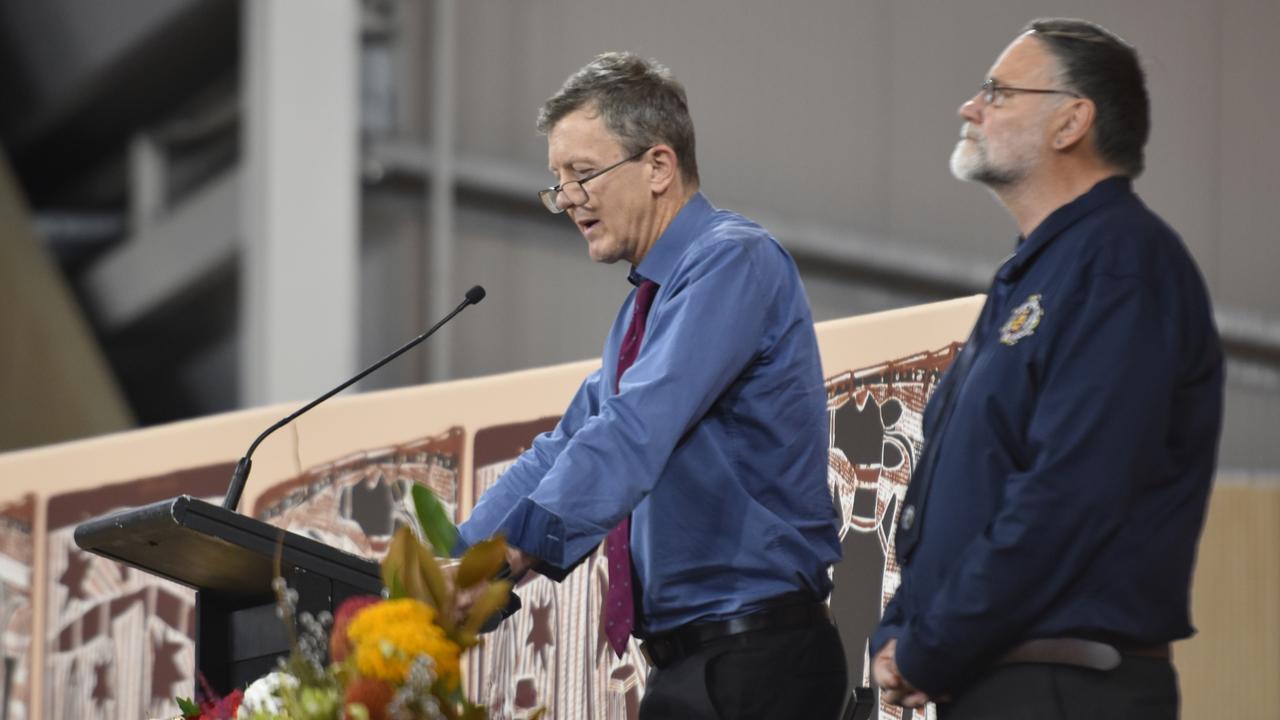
x=663 y=168
x=1074 y=123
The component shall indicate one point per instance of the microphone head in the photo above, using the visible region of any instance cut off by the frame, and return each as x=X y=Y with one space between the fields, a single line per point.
x=475 y=295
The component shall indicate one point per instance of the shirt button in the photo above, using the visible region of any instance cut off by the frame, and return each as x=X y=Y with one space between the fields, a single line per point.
x=908 y=517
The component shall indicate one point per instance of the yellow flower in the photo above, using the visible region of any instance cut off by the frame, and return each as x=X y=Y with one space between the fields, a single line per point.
x=387 y=636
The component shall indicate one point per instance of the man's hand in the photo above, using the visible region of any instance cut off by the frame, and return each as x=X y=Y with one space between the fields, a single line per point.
x=519 y=561
x=895 y=689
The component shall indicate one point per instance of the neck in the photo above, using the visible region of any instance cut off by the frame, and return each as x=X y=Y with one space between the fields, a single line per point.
x=1038 y=195
x=666 y=207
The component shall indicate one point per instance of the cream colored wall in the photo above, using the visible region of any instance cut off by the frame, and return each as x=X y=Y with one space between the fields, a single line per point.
x=1228 y=670
x=360 y=422
x=1231 y=668
x=342 y=426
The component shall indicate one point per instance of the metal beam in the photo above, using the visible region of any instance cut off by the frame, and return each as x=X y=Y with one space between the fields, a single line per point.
x=1248 y=336
x=441 y=195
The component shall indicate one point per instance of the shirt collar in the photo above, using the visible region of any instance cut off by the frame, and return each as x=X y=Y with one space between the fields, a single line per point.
x=661 y=259
x=1104 y=193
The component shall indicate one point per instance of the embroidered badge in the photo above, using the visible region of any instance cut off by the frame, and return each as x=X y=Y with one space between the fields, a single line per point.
x=1023 y=321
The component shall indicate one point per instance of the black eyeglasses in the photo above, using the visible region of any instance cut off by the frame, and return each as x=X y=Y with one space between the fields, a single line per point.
x=573 y=189
x=991 y=91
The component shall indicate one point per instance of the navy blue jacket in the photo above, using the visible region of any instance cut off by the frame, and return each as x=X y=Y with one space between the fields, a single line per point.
x=1068 y=454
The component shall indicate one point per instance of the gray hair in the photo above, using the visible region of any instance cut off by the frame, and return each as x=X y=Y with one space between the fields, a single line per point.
x=1100 y=66
x=640 y=100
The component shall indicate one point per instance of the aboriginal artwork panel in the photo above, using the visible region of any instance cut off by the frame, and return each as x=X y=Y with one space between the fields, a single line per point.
x=552 y=652
x=118 y=642
x=17 y=557
x=876 y=439
x=355 y=503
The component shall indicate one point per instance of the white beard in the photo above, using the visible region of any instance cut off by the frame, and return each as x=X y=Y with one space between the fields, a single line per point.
x=971 y=160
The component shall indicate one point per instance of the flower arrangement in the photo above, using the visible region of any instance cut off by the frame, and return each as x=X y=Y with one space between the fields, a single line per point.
x=388 y=658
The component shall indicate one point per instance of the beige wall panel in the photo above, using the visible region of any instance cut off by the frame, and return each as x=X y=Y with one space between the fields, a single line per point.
x=1231 y=667
x=870 y=339
x=1227 y=670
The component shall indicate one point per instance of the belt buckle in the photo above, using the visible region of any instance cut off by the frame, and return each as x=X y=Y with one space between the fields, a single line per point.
x=662 y=651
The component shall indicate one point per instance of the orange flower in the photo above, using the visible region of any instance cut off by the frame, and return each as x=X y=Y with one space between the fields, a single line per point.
x=387 y=636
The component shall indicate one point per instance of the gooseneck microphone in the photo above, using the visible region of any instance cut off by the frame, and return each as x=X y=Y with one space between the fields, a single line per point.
x=241 y=473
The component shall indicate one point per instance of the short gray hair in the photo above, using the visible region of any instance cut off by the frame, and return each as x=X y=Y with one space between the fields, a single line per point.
x=640 y=100
x=1099 y=65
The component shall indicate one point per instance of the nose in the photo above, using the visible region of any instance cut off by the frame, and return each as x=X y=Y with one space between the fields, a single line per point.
x=562 y=200
x=971 y=110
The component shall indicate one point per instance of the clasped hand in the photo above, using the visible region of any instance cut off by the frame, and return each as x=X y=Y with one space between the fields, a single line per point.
x=894 y=688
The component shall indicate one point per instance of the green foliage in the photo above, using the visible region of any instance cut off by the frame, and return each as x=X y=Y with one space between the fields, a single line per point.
x=437 y=526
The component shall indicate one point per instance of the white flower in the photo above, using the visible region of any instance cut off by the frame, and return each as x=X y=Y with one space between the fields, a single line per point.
x=264 y=695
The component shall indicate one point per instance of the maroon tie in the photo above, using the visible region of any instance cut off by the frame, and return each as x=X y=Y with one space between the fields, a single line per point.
x=619 y=603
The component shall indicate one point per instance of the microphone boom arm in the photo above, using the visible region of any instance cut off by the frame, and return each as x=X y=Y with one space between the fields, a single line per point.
x=241 y=473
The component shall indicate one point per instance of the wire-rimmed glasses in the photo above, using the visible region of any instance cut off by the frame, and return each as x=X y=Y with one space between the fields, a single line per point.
x=992 y=90
x=574 y=191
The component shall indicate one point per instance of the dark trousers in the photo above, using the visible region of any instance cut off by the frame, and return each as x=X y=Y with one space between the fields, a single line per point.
x=766 y=674
x=1141 y=688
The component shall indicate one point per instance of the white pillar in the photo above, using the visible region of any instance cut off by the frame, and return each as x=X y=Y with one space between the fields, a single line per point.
x=300 y=254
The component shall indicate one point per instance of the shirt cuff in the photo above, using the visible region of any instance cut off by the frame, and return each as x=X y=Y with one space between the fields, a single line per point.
x=535 y=530
x=881 y=637
x=927 y=669
x=461 y=545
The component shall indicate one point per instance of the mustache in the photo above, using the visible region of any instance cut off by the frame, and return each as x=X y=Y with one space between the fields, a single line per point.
x=968 y=132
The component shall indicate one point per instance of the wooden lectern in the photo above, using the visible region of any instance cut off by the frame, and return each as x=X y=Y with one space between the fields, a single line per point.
x=229 y=559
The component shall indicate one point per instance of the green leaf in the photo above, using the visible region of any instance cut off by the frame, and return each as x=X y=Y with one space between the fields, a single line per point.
x=437 y=526
x=395 y=590
x=188 y=707
x=408 y=570
x=491 y=601
x=394 y=561
x=482 y=561
x=441 y=593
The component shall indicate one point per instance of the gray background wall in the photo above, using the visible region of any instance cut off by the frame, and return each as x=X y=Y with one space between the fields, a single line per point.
x=834 y=121
x=830 y=122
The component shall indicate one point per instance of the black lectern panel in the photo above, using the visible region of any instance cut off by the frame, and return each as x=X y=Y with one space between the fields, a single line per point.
x=229 y=560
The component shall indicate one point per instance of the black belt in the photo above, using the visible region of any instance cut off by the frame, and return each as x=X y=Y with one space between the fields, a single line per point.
x=672 y=646
x=1079 y=652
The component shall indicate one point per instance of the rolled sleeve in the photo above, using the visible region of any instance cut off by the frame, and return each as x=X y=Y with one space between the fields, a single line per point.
x=518 y=481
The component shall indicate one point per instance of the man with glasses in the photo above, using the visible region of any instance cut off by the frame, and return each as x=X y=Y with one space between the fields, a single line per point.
x=1048 y=534
x=697 y=454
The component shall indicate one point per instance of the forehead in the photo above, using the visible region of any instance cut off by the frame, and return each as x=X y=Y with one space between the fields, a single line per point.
x=580 y=136
x=1026 y=60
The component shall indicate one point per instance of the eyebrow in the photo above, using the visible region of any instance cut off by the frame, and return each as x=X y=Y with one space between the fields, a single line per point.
x=571 y=162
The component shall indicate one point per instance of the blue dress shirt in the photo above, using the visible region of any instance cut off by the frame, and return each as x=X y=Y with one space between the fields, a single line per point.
x=1068 y=453
x=715 y=442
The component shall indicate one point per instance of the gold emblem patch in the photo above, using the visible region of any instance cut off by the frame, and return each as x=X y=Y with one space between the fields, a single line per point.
x=1023 y=321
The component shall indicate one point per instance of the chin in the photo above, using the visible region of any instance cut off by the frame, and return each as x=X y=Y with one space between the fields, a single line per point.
x=603 y=252
x=965 y=161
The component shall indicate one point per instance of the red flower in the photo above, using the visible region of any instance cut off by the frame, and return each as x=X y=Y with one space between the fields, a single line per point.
x=339 y=644
x=222 y=709
x=214 y=707
x=374 y=694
